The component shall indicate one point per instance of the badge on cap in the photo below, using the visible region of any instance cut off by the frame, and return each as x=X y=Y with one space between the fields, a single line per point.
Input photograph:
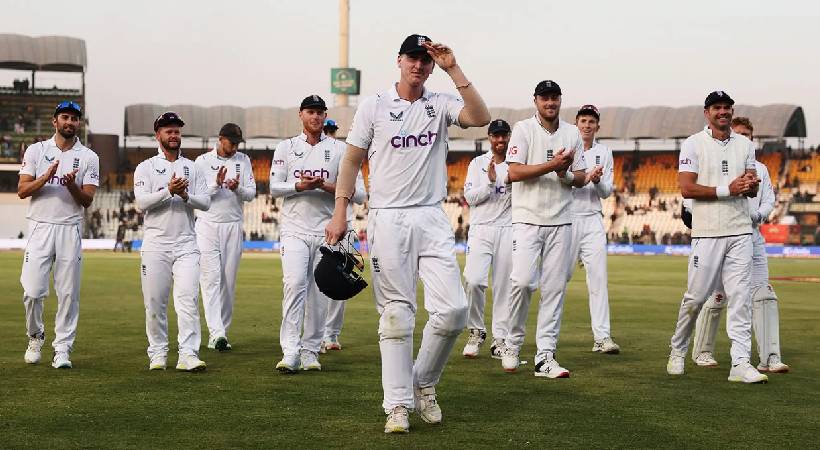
x=421 y=41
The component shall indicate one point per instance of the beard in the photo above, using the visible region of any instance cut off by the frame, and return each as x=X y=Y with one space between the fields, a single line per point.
x=67 y=132
x=169 y=145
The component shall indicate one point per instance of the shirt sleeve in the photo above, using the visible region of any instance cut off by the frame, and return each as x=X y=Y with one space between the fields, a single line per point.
x=750 y=157
x=767 y=199
x=360 y=192
x=92 y=172
x=201 y=164
x=453 y=106
x=199 y=195
x=247 y=184
x=477 y=186
x=29 y=166
x=688 y=159
x=361 y=130
x=605 y=186
x=519 y=145
x=144 y=193
x=279 y=186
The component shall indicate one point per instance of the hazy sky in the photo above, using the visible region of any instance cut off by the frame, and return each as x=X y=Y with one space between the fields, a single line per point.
x=611 y=53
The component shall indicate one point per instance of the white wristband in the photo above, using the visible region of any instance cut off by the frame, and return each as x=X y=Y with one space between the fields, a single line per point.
x=722 y=191
x=569 y=177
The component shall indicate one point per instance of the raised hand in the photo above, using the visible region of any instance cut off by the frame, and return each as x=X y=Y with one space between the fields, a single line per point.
x=52 y=169
x=594 y=175
x=441 y=54
x=563 y=159
x=69 y=178
x=177 y=185
x=308 y=183
x=740 y=185
x=233 y=183
x=220 y=176
x=491 y=171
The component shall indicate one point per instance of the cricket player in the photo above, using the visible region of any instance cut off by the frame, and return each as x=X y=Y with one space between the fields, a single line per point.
x=765 y=315
x=219 y=233
x=168 y=188
x=588 y=233
x=403 y=133
x=61 y=176
x=717 y=171
x=304 y=171
x=330 y=128
x=546 y=159
x=489 y=244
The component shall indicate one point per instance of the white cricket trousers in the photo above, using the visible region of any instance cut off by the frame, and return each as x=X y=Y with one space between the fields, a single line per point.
x=408 y=244
x=58 y=246
x=304 y=307
x=220 y=248
x=488 y=246
x=552 y=245
x=159 y=270
x=589 y=243
x=713 y=260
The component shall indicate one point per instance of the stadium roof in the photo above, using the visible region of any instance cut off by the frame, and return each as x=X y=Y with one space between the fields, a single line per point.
x=650 y=122
x=52 y=53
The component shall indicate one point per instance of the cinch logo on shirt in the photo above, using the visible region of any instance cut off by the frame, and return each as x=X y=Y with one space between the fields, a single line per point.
x=685 y=161
x=422 y=140
x=278 y=162
x=56 y=180
x=501 y=189
x=321 y=173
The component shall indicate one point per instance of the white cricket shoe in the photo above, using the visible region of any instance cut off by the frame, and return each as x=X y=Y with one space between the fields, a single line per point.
x=675 y=364
x=35 y=347
x=606 y=345
x=158 y=362
x=509 y=359
x=332 y=343
x=309 y=360
x=288 y=364
x=745 y=373
x=427 y=405
x=549 y=368
x=190 y=363
x=398 y=421
x=474 y=341
x=706 y=359
x=61 y=361
x=219 y=343
x=773 y=365
x=497 y=348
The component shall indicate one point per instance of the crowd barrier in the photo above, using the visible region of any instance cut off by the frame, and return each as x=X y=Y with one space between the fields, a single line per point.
x=784 y=251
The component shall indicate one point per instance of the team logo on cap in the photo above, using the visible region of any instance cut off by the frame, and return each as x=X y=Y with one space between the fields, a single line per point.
x=548 y=84
x=720 y=93
x=315 y=98
x=421 y=40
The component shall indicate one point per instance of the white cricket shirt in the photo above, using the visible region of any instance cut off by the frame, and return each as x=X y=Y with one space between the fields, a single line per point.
x=226 y=205
x=308 y=212
x=169 y=220
x=586 y=201
x=406 y=146
x=53 y=203
x=717 y=163
x=489 y=200
x=544 y=200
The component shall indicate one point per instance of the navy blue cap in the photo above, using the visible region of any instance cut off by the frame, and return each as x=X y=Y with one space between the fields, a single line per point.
x=168 y=118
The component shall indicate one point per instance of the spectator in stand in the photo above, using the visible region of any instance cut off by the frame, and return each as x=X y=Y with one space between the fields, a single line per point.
x=330 y=128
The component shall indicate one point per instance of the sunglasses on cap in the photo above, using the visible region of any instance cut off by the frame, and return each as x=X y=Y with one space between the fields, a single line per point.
x=68 y=105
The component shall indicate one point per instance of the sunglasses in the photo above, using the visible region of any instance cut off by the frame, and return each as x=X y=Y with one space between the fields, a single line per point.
x=68 y=104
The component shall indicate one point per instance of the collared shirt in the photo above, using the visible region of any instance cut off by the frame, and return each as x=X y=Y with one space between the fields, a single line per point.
x=716 y=163
x=169 y=220
x=406 y=146
x=544 y=200
x=308 y=212
x=53 y=203
x=489 y=200
x=587 y=200
x=226 y=205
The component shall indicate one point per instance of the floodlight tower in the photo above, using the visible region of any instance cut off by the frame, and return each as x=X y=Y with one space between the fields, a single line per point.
x=344 y=43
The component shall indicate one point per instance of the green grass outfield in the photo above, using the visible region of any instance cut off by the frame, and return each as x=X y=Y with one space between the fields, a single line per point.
x=111 y=400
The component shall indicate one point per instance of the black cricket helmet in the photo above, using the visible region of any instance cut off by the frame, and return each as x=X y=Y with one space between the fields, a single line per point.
x=336 y=273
